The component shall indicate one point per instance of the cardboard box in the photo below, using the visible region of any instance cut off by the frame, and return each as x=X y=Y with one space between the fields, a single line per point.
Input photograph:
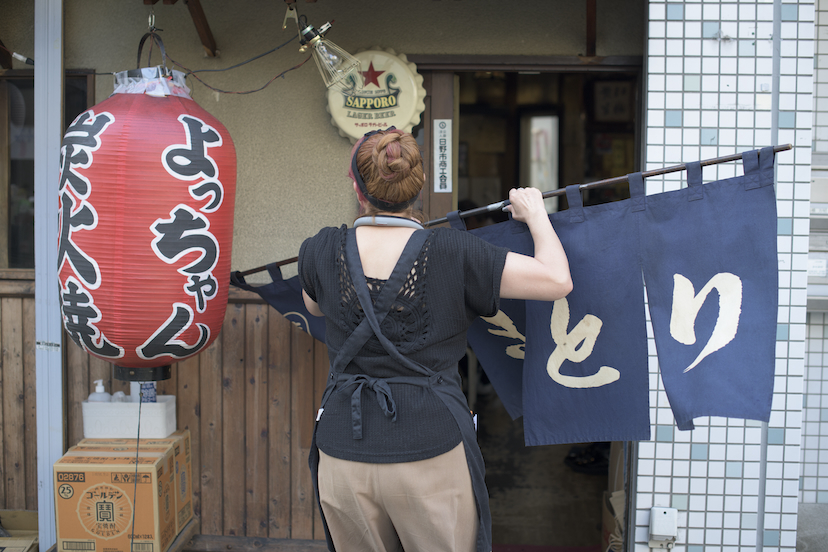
x=97 y=494
x=179 y=442
x=119 y=420
x=22 y=526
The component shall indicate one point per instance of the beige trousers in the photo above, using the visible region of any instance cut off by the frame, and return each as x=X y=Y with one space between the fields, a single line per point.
x=425 y=506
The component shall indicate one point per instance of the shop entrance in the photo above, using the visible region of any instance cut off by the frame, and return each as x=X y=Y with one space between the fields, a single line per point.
x=546 y=129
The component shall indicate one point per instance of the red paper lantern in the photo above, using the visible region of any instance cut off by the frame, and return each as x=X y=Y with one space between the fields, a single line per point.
x=146 y=197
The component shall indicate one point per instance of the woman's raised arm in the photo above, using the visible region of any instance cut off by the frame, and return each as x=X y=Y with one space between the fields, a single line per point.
x=544 y=277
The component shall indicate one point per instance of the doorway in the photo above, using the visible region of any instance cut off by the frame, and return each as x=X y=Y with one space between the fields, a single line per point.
x=546 y=130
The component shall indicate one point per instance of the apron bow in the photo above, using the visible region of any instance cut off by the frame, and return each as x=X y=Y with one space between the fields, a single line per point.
x=384 y=399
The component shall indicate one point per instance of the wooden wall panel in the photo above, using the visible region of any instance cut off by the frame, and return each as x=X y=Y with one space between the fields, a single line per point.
x=279 y=485
x=13 y=458
x=212 y=432
x=302 y=420
x=256 y=446
x=29 y=400
x=249 y=401
x=188 y=416
x=233 y=419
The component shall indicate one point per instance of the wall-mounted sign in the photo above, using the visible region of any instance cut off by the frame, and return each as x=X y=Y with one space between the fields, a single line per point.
x=442 y=156
x=392 y=95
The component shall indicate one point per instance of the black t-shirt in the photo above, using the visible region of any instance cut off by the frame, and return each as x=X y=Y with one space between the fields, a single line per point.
x=455 y=279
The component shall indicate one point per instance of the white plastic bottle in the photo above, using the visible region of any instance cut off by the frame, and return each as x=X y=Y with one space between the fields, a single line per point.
x=100 y=394
x=118 y=396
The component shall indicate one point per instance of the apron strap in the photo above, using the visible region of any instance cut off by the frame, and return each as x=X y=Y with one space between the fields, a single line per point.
x=370 y=325
x=388 y=294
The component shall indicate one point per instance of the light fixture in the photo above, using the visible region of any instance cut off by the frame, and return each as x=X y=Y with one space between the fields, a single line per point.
x=340 y=70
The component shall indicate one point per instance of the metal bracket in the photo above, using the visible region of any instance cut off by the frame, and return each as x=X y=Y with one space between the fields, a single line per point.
x=290 y=14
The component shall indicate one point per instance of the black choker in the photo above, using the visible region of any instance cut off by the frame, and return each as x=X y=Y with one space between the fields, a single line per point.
x=385 y=220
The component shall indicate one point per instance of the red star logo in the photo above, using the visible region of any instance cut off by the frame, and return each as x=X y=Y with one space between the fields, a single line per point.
x=371 y=76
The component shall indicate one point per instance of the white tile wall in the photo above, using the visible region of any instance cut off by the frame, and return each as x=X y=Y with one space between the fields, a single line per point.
x=813 y=482
x=716 y=99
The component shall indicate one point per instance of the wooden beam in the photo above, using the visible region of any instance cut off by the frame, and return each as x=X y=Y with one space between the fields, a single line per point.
x=202 y=27
x=5 y=57
x=591 y=34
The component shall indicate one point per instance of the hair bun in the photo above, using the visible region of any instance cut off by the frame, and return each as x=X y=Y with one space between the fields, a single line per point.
x=390 y=158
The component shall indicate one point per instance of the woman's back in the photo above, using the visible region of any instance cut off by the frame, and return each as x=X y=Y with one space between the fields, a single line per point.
x=380 y=248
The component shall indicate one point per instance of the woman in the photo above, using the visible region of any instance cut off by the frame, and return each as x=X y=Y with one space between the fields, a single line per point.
x=395 y=459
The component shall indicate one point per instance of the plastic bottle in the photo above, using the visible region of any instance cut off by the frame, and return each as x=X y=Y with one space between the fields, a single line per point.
x=118 y=396
x=100 y=394
x=134 y=391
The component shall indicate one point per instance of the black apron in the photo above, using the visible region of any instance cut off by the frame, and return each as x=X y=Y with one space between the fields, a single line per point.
x=451 y=395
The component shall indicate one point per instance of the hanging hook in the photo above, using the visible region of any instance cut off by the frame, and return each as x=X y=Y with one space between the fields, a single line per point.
x=151 y=28
x=291 y=13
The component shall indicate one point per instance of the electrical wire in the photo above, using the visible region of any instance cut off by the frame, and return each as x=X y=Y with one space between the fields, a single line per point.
x=192 y=73
x=243 y=62
x=135 y=483
x=15 y=55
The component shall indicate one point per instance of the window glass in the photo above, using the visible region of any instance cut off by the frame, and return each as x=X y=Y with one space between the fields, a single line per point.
x=17 y=251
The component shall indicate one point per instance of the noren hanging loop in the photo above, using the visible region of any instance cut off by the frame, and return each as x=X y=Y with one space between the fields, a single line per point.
x=157 y=40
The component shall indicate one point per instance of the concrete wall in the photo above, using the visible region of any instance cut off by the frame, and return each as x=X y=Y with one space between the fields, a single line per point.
x=292 y=163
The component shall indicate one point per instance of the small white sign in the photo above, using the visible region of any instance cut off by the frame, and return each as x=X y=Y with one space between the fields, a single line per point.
x=442 y=156
x=818 y=268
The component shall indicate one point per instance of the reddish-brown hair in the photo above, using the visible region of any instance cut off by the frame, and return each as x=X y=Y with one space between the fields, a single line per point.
x=391 y=166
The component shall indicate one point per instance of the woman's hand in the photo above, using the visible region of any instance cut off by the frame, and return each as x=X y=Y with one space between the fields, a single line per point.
x=544 y=277
x=526 y=204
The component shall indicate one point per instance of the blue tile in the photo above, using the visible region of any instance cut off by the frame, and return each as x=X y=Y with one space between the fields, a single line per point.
x=672 y=118
x=776 y=436
x=698 y=452
x=710 y=29
x=822 y=497
x=675 y=12
x=710 y=136
x=801 y=482
x=679 y=502
x=748 y=521
x=747 y=47
x=664 y=433
x=733 y=469
x=781 y=332
x=790 y=12
x=692 y=83
x=787 y=119
x=823 y=414
x=771 y=538
x=784 y=226
x=695 y=548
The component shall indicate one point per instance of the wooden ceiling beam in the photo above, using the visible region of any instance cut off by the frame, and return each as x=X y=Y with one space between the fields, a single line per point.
x=5 y=57
x=202 y=27
x=591 y=27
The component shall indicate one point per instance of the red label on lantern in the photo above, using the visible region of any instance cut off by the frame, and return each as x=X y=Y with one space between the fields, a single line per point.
x=146 y=197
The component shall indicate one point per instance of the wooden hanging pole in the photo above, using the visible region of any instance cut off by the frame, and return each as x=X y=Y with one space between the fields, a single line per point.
x=553 y=193
x=599 y=183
